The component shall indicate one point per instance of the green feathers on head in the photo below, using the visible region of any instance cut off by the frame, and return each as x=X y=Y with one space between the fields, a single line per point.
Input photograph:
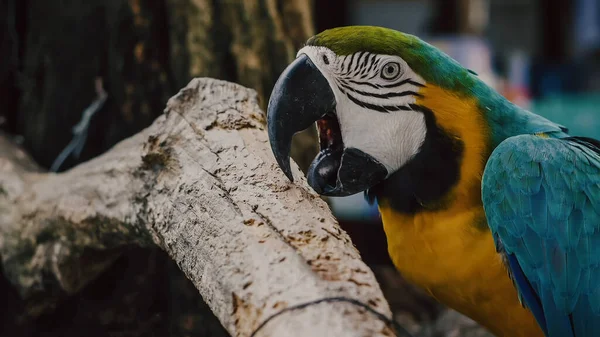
x=426 y=60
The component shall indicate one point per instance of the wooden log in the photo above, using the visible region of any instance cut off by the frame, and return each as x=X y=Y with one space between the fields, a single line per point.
x=202 y=184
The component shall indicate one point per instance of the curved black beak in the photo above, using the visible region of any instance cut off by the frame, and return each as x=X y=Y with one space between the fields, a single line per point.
x=300 y=97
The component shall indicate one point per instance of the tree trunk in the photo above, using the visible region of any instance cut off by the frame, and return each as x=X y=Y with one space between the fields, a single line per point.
x=201 y=184
x=143 y=52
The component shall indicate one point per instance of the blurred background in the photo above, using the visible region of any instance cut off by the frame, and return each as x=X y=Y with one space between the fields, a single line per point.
x=76 y=77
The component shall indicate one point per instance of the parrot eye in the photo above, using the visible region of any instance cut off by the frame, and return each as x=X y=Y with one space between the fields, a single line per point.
x=390 y=71
x=325 y=59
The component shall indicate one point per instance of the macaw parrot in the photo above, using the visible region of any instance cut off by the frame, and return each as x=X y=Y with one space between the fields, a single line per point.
x=491 y=209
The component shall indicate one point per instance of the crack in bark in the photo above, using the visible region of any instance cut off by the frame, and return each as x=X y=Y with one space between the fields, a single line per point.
x=270 y=224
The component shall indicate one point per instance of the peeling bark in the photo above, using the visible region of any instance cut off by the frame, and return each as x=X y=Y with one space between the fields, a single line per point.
x=200 y=183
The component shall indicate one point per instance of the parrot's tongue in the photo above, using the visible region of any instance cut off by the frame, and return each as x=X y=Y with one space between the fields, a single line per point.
x=324 y=168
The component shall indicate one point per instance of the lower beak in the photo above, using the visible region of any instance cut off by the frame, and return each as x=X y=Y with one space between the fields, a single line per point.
x=301 y=97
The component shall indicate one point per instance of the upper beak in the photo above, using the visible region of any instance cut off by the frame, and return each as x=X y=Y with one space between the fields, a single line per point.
x=300 y=97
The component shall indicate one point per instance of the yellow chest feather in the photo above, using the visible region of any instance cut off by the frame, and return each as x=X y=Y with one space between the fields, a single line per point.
x=432 y=248
x=452 y=256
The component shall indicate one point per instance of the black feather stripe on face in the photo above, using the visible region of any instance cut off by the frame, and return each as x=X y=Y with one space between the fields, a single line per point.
x=378 y=108
x=385 y=95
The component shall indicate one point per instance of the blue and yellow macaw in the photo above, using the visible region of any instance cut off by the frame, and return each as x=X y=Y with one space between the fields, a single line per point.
x=493 y=210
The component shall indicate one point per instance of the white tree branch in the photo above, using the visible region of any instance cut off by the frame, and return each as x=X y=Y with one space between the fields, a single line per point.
x=201 y=183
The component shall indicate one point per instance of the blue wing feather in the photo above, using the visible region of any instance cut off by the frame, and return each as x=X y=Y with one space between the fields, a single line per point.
x=542 y=203
x=527 y=292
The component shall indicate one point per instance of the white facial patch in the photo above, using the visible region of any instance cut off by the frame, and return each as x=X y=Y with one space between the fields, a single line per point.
x=374 y=94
